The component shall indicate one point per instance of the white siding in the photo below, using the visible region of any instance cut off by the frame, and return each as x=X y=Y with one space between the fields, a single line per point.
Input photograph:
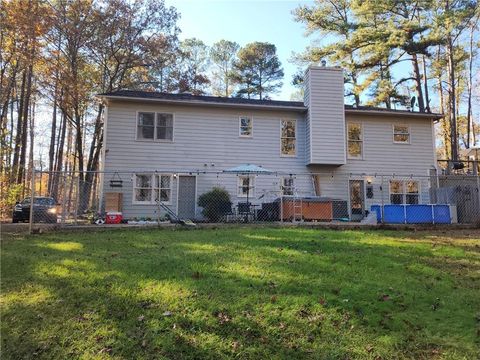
x=383 y=157
x=324 y=99
x=206 y=139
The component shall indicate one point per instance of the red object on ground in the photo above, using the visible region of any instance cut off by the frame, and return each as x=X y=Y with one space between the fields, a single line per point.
x=113 y=218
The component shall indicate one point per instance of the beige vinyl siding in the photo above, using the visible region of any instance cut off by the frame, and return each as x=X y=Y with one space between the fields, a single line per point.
x=326 y=115
x=202 y=136
x=382 y=156
x=209 y=135
x=306 y=96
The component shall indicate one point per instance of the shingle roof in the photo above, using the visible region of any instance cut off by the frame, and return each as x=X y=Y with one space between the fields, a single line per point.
x=221 y=100
x=200 y=98
x=391 y=111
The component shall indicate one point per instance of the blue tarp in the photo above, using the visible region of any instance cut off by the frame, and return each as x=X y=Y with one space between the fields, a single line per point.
x=248 y=169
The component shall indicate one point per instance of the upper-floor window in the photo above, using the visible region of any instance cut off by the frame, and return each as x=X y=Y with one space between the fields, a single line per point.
x=355 y=140
x=404 y=192
x=288 y=137
x=150 y=188
x=246 y=126
x=151 y=126
x=288 y=186
x=246 y=186
x=401 y=134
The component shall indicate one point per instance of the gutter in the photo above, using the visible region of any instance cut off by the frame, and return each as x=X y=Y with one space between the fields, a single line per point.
x=394 y=113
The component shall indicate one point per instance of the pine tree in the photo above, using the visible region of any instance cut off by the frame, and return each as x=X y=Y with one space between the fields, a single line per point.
x=223 y=55
x=258 y=71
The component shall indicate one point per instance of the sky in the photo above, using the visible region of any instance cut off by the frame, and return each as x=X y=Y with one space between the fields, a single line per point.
x=247 y=21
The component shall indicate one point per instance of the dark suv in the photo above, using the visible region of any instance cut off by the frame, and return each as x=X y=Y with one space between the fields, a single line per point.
x=44 y=209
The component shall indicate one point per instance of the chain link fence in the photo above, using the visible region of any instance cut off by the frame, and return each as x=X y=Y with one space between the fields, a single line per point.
x=188 y=197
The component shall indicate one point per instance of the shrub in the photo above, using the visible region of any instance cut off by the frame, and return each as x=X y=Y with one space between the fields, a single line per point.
x=215 y=203
x=11 y=193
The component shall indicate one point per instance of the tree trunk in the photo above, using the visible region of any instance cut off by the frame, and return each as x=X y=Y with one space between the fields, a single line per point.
x=469 y=89
x=20 y=130
x=93 y=160
x=26 y=106
x=59 y=157
x=452 y=101
x=425 y=84
x=32 y=144
x=418 y=83
x=355 y=84
x=53 y=132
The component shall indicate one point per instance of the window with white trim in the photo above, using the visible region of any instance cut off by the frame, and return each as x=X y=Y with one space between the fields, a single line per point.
x=355 y=140
x=246 y=186
x=401 y=134
x=163 y=188
x=150 y=188
x=404 y=192
x=155 y=126
x=142 y=188
x=146 y=126
x=288 y=186
x=164 y=126
x=288 y=137
x=246 y=126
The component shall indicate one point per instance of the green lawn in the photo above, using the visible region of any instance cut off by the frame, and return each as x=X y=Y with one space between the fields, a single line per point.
x=246 y=293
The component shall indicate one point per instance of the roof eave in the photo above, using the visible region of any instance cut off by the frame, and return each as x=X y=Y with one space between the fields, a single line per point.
x=394 y=113
x=203 y=103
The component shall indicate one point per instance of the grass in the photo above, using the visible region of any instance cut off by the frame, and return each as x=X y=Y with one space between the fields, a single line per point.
x=246 y=293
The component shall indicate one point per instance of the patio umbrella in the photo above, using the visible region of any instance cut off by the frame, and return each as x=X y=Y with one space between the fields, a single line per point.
x=248 y=169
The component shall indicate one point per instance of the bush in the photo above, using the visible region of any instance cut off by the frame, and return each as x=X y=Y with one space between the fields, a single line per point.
x=10 y=194
x=215 y=203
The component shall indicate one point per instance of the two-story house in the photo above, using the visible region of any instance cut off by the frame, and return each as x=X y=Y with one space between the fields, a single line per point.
x=175 y=147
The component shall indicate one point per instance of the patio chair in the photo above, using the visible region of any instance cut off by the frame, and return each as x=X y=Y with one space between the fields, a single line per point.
x=245 y=210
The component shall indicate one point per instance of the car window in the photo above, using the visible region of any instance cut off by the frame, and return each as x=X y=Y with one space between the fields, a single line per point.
x=39 y=201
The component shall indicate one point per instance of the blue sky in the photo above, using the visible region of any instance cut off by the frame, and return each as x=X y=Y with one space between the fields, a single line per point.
x=246 y=21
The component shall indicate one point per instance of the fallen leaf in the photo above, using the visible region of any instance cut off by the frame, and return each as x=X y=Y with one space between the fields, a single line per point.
x=223 y=317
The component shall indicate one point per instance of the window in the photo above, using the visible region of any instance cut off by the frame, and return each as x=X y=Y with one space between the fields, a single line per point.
x=288 y=137
x=288 y=187
x=150 y=188
x=163 y=189
x=246 y=126
x=146 y=126
x=355 y=140
x=401 y=134
x=149 y=129
x=404 y=192
x=396 y=192
x=246 y=186
x=143 y=188
x=164 y=126
x=412 y=193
